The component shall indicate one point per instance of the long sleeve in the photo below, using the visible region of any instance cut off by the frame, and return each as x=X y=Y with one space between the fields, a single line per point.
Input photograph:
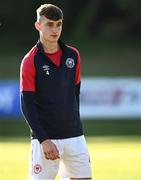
x=78 y=78
x=28 y=107
x=77 y=93
x=28 y=98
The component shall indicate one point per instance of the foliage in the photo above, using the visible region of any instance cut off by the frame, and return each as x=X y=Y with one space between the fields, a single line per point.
x=89 y=19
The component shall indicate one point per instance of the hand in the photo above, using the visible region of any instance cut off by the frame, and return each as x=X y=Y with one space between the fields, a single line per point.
x=50 y=150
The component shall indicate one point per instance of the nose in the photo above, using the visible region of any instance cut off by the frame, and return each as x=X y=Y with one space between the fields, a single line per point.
x=55 y=29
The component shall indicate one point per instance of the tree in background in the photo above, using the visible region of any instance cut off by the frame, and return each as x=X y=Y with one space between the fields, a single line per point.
x=115 y=18
x=82 y=19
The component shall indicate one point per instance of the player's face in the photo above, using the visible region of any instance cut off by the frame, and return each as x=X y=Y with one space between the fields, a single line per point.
x=49 y=30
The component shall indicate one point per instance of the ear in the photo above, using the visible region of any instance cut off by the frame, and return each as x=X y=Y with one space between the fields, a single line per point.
x=37 y=26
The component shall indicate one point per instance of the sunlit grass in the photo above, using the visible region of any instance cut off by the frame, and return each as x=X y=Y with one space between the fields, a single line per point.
x=112 y=158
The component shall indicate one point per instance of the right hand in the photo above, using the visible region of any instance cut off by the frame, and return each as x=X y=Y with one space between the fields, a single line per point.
x=50 y=150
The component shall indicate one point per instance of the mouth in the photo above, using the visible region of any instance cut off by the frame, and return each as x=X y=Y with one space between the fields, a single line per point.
x=54 y=36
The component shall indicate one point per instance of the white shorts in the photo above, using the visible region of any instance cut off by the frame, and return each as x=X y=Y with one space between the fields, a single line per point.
x=74 y=160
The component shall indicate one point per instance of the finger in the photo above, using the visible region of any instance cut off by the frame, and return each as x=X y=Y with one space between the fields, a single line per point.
x=46 y=155
x=56 y=149
x=55 y=152
x=49 y=157
x=53 y=156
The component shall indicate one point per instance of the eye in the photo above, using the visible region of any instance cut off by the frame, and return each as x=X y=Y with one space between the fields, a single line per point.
x=59 y=24
x=50 y=24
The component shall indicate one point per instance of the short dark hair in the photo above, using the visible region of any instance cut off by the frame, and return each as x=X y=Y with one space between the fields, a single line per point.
x=50 y=11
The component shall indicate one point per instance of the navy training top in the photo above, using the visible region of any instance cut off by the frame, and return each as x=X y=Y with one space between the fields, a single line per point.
x=50 y=94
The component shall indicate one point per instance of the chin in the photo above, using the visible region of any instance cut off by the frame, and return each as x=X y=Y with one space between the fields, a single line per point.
x=54 y=40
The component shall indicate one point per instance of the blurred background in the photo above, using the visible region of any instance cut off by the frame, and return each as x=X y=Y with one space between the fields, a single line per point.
x=108 y=36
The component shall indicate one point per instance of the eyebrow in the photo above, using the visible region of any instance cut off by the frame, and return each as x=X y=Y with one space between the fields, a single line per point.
x=60 y=22
x=52 y=22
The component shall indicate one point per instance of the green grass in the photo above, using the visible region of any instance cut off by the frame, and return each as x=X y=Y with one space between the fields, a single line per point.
x=113 y=158
x=18 y=127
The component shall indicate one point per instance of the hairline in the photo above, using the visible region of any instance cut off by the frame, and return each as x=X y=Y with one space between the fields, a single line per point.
x=43 y=16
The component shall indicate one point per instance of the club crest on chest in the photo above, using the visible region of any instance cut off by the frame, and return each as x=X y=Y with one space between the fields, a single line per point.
x=70 y=63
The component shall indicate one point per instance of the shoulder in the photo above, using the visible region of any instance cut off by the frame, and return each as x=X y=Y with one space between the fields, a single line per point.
x=74 y=49
x=28 y=59
x=69 y=48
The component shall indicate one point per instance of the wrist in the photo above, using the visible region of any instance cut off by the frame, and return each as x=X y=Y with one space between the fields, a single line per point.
x=45 y=141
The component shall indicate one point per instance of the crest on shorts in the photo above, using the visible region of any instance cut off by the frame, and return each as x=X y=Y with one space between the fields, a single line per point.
x=70 y=62
x=37 y=168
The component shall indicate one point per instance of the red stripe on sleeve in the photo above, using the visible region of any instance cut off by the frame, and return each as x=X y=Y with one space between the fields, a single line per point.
x=27 y=72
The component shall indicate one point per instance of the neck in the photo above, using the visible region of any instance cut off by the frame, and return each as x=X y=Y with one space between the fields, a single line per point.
x=50 y=47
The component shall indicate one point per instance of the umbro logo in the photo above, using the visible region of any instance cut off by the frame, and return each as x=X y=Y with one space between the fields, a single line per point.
x=46 y=68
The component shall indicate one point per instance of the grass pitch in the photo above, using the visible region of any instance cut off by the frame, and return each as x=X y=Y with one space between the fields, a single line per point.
x=112 y=158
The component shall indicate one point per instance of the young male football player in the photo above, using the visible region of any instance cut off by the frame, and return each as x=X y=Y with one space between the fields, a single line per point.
x=50 y=87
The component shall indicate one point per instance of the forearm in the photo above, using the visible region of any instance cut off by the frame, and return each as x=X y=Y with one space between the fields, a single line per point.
x=30 y=113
